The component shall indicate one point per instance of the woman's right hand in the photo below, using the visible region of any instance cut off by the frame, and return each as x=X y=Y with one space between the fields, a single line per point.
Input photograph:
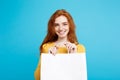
x=53 y=50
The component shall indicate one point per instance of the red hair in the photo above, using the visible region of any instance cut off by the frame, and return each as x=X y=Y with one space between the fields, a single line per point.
x=52 y=36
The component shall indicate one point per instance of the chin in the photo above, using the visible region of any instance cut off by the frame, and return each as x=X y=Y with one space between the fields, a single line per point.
x=62 y=36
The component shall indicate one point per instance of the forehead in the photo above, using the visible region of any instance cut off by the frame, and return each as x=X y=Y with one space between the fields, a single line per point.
x=61 y=19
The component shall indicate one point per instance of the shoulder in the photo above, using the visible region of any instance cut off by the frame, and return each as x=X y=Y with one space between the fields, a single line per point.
x=80 y=48
x=46 y=46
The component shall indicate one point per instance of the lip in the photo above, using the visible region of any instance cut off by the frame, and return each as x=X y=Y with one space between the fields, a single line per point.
x=62 y=32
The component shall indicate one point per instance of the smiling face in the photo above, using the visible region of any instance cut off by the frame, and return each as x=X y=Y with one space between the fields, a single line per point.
x=61 y=27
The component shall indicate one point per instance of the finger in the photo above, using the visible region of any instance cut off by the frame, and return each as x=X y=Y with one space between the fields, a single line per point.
x=56 y=46
x=50 y=52
x=73 y=48
x=65 y=43
x=54 y=51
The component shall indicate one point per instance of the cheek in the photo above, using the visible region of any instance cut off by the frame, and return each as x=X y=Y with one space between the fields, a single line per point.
x=67 y=28
x=55 y=29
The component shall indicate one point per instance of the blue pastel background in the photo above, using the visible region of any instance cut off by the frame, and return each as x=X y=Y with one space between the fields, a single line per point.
x=23 y=26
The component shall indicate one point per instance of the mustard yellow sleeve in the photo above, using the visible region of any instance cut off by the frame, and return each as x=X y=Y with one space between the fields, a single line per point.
x=80 y=48
x=46 y=46
x=37 y=72
x=45 y=49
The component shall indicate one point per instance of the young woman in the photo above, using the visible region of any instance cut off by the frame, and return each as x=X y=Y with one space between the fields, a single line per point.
x=60 y=38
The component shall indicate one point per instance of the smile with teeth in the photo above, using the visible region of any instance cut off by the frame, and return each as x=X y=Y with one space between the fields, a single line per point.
x=61 y=32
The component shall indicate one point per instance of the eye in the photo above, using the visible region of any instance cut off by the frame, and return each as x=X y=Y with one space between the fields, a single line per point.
x=65 y=24
x=55 y=25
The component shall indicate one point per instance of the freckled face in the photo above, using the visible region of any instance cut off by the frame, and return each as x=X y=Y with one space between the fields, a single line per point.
x=61 y=26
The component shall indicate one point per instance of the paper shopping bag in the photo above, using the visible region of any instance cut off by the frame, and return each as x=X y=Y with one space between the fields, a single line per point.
x=63 y=67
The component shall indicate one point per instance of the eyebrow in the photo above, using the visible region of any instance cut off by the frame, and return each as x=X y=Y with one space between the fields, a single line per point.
x=62 y=22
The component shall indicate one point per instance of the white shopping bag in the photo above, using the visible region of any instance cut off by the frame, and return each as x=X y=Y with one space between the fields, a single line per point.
x=63 y=67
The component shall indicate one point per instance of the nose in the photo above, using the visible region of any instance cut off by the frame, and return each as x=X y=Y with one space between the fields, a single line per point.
x=60 y=27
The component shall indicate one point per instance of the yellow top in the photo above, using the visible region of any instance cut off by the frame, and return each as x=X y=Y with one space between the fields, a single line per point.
x=45 y=48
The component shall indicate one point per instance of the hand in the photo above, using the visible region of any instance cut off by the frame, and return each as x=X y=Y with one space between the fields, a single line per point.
x=71 y=47
x=53 y=50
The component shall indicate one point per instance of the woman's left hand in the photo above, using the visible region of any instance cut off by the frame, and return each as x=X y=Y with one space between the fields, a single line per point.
x=71 y=47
